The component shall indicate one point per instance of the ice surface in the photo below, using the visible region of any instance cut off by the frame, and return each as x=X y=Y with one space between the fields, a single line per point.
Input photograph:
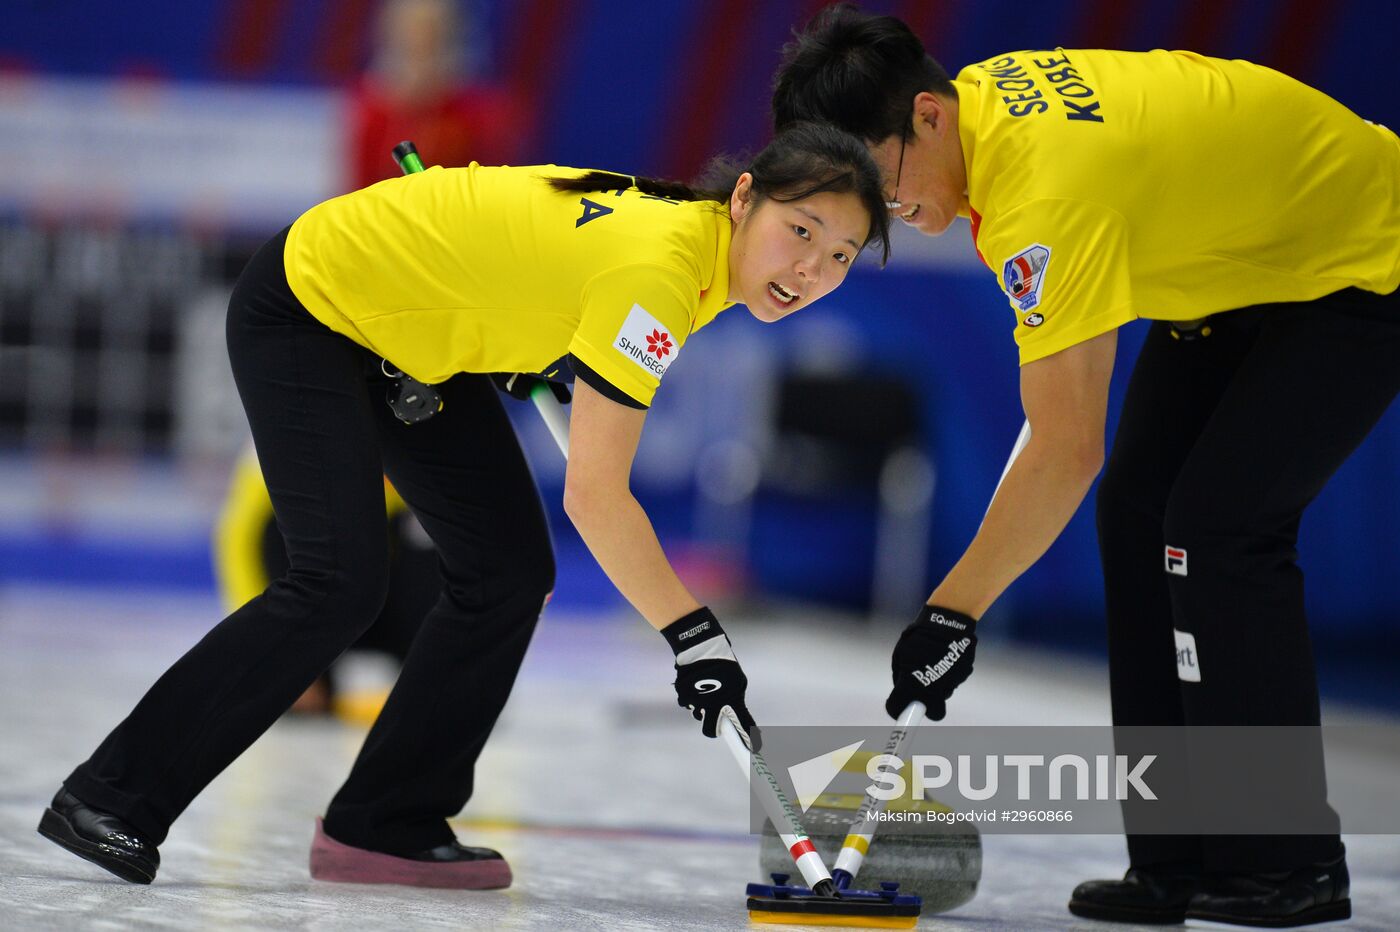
x=614 y=812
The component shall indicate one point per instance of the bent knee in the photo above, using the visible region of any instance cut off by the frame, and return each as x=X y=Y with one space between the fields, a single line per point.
x=532 y=574
x=1124 y=503
x=341 y=597
x=1197 y=514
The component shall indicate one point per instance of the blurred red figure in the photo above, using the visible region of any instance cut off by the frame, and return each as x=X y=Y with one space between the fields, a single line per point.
x=414 y=89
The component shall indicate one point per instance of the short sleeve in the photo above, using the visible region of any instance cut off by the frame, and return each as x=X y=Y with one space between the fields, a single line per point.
x=1064 y=266
x=633 y=322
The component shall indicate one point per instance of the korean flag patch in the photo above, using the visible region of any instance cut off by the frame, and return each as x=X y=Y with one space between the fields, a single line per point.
x=1024 y=275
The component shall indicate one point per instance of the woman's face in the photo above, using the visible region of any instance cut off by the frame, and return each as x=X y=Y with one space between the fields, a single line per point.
x=786 y=254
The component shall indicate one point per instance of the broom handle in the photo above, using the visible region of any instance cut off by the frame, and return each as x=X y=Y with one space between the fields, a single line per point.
x=862 y=830
x=769 y=793
x=776 y=806
x=1022 y=438
x=552 y=413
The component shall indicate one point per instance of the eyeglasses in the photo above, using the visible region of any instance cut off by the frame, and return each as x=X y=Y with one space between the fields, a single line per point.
x=895 y=203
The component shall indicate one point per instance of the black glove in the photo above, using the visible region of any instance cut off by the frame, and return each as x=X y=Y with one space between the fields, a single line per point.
x=931 y=659
x=520 y=386
x=708 y=676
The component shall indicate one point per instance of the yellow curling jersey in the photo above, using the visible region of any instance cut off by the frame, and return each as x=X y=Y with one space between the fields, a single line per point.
x=484 y=269
x=1107 y=186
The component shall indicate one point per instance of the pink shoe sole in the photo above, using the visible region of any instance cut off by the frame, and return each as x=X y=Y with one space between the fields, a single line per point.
x=338 y=863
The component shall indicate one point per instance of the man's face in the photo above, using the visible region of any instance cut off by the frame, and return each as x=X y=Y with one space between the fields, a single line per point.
x=922 y=170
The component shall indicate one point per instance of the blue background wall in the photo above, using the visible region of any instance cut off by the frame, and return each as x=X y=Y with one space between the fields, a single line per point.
x=657 y=86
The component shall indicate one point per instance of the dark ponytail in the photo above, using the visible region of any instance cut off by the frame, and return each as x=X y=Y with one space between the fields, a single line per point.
x=802 y=160
x=612 y=181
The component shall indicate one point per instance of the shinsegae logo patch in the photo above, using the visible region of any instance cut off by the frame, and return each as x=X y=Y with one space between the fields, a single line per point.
x=646 y=341
x=1023 y=276
x=659 y=343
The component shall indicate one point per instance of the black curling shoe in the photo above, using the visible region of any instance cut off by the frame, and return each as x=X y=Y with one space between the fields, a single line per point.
x=1145 y=895
x=100 y=837
x=1316 y=893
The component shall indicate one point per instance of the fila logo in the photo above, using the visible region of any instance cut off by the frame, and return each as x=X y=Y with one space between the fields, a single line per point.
x=1176 y=561
x=1188 y=662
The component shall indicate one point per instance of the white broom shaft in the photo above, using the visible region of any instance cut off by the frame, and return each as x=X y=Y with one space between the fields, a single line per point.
x=863 y=829
x=769 y=793
x=1023 y=438
x=552 y=413
x=775 y=805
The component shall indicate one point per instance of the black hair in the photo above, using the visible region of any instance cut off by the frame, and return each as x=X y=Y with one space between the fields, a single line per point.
x=803 y=159
x=857 y=70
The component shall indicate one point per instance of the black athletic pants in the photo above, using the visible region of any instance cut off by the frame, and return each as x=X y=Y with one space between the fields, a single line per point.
x=325 y=438
x=1224 y=440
